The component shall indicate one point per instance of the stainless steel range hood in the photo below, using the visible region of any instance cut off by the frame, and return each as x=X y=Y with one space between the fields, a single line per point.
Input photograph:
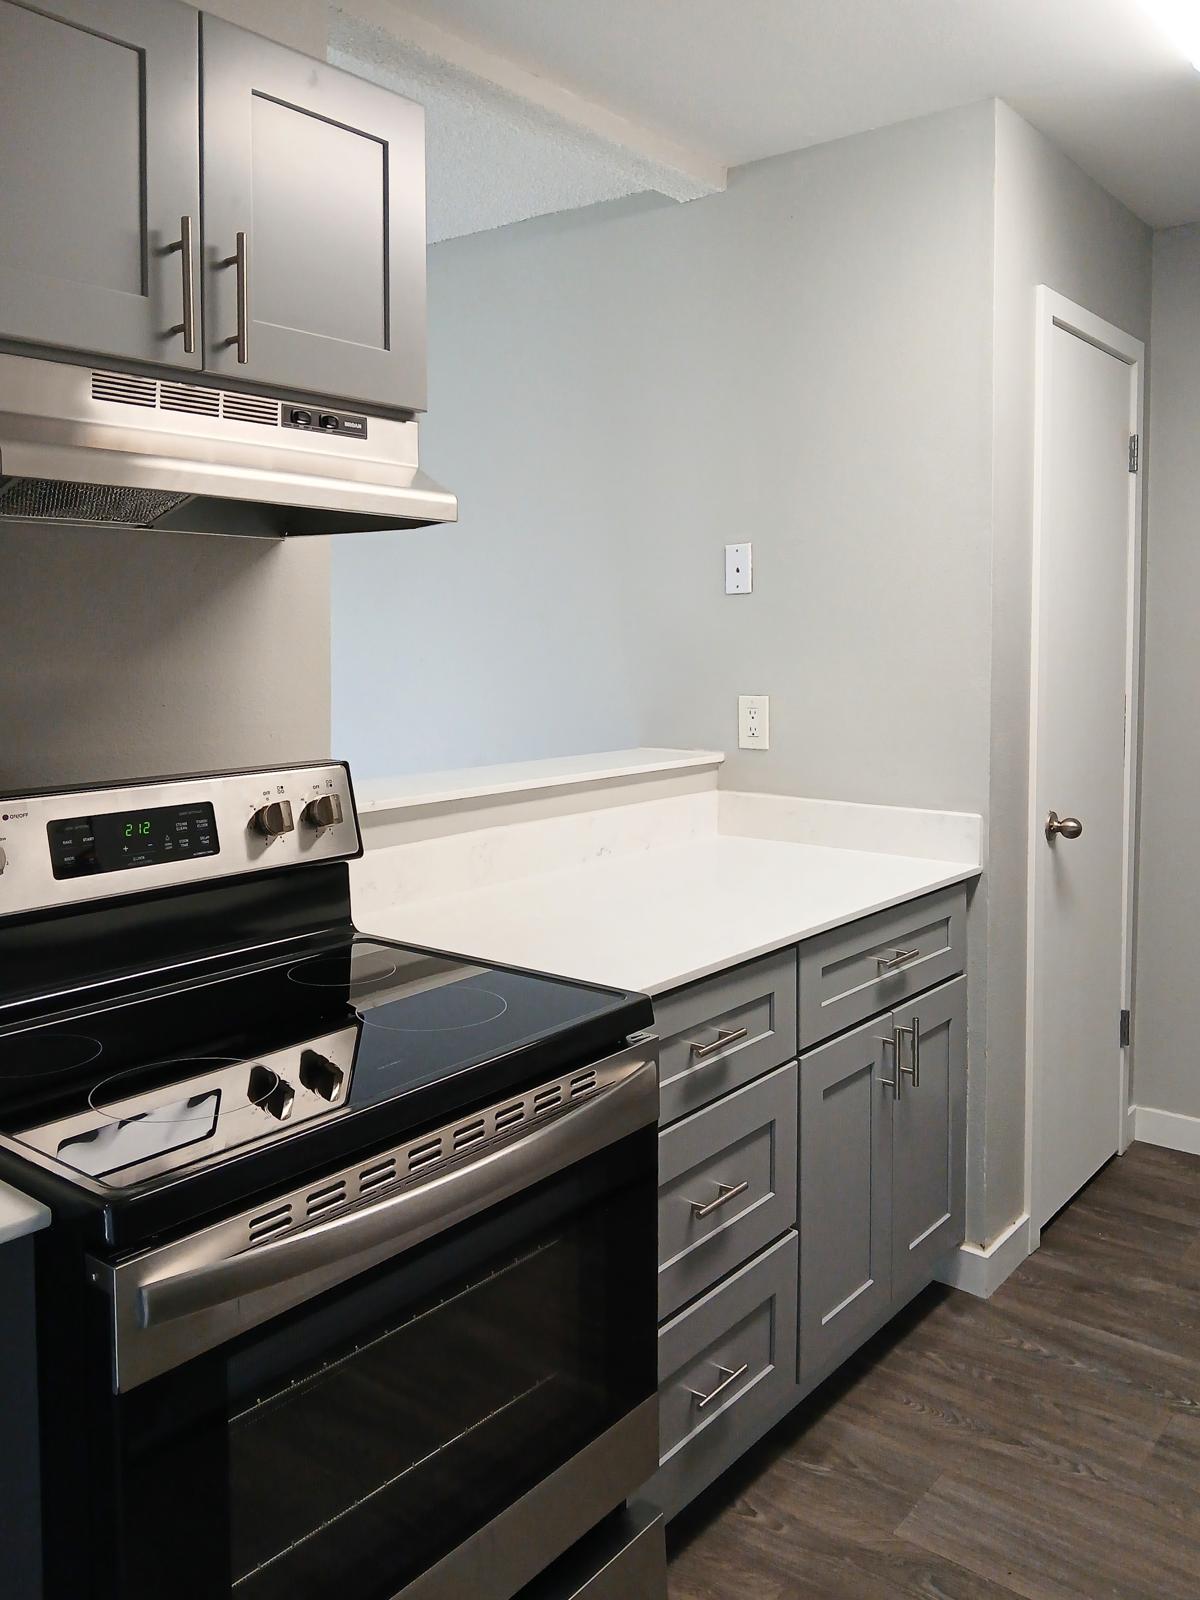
x=110 y=449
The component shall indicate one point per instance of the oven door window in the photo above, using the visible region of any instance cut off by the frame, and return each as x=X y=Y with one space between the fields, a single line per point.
x=367 y=1434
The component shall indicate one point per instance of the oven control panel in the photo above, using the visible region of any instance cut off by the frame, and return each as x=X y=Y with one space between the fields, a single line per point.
x=68 y=847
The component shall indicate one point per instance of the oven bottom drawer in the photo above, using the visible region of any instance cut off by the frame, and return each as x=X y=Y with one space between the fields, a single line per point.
x=624 y=1559
x=726 y=1374
x=515 y=1546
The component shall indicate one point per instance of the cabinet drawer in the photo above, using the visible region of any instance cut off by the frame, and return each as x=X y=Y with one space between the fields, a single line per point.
x=737 y=1345
x=718 y=1034
x=849 y=974
x=727 y=1185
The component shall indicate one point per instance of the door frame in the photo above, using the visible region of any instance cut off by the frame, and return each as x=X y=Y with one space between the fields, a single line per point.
x=1056 y=311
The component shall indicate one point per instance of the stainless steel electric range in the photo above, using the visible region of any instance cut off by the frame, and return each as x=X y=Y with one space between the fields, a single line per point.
x=350 y=1289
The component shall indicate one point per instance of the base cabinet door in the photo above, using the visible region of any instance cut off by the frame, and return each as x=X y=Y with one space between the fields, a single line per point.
x=314 y=225
x=99 y=164
x=928 y=1135
x=845 y=1195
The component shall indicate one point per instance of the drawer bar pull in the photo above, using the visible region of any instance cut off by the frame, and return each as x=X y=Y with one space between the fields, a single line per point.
x=725 y=1037
x=728 y=1378
x=896 y=959
x=725 y=1193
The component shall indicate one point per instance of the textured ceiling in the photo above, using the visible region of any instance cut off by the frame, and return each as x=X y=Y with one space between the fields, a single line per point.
x=495 y=156
x=756 y=78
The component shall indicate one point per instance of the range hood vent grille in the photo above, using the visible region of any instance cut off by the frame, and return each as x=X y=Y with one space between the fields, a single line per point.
x=45 y=500
x=121 y=386
x=250 y=408
x=186 y=397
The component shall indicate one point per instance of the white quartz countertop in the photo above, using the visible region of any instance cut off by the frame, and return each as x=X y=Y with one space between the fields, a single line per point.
x=655 y=919
x=19 y=1215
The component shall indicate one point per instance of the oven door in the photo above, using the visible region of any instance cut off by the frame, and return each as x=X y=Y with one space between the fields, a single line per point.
x=432 y=1392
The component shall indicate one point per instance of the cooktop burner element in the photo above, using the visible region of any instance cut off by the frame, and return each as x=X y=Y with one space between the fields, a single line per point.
x=358 y=970
x=111 y=1097
x=440 y=1011
x=47 y=1052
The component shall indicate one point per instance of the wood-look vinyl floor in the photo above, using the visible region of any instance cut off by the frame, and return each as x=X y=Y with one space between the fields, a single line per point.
x=1044 y=1443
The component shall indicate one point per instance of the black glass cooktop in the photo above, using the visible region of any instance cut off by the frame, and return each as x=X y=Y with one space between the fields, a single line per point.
x=162 y=1082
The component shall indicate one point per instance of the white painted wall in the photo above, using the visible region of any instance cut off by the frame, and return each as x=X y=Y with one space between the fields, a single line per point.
x=135 y=653
x=1055 y=226
x=1167 y=1067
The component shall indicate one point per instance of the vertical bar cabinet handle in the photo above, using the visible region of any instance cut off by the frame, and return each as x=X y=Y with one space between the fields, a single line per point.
x=893 y=1083
x=239 y=261
x=189 y=286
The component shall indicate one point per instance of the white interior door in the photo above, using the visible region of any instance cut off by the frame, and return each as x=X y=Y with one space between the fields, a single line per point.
x=1085 y=579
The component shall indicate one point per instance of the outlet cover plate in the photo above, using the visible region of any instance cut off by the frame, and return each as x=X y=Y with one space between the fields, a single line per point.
x=754 y=722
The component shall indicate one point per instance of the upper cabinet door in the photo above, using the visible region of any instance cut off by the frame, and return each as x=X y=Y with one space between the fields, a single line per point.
x=314 y=225
x=929 y=1135
x=99 y=162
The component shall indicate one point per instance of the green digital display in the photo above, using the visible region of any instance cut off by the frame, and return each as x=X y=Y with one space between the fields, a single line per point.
x=118 y=840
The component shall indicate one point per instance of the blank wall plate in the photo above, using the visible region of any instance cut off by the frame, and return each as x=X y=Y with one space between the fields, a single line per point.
x=739 y=573
x=754 y=721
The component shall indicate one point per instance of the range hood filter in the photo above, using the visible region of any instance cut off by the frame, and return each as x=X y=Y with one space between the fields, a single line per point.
x=44 y=500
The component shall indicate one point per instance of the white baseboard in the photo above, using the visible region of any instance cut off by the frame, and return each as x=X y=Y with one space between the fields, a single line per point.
x=1171 y=1129
x=981 y=1269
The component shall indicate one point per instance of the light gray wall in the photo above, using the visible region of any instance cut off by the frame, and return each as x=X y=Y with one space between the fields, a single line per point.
x=803 y=361
x=134 y=653
x=1167 y=1073
x=1054 y=226
x=834 y=359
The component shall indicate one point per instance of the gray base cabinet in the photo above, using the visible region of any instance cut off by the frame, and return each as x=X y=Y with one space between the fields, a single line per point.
x=845 y=1195
x=882 y=1141
x=726 y=1373
x=727 y=1186
x=929 y=1137
x=802 y=1204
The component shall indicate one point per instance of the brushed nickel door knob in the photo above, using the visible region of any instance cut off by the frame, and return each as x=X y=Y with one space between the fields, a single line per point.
x=1069 y=827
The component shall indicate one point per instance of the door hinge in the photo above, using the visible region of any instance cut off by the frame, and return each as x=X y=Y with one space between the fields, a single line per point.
x=1135 y=451
x=1126 y=1028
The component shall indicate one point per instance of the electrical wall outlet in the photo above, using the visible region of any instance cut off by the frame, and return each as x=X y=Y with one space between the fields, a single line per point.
x=754 y=721
x=739 y=572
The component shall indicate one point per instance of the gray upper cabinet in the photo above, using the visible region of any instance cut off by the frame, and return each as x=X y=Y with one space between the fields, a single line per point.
x=321 y=177
x=845 y=1184
x=99 y=162
x=929 y=1136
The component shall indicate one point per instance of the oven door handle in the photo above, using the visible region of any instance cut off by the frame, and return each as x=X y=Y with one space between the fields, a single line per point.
x=343 y=1245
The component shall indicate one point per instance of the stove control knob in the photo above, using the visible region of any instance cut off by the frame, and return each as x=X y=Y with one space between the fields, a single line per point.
x=320 y=1076
x=270 y=1093
x=324 y=812
x=273 y=820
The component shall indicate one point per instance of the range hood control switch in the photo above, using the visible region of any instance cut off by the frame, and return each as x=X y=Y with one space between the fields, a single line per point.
x=274 y=820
